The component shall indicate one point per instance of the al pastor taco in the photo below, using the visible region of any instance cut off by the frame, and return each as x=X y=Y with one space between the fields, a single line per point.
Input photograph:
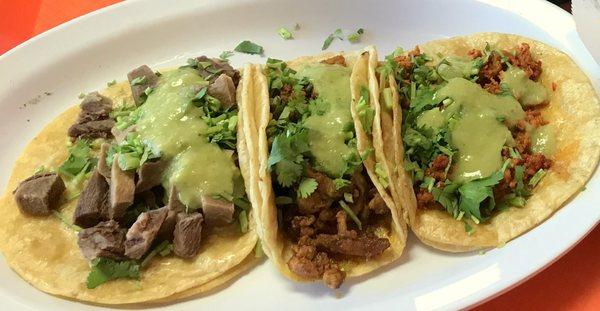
x=325 y=211
x=498 y=132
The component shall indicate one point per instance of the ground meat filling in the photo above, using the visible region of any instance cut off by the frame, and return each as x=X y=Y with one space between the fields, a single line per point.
x=489 y=74
x=489 y=79
x=523 y=59
x=325 y=233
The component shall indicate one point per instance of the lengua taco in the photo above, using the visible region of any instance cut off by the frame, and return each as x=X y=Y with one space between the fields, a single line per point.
x=146 y=201
x=498 y=132
x=325 y=208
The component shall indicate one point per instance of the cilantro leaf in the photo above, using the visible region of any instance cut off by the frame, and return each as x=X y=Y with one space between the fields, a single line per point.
x=473 y=193
x=535 y=179
x=225 y=55
x=306 y=187
x=249 y=47
x=364 y=110
x=336 y=34
x=105 y=269
x=340 y=183
x=355 y=36
x=285 y=34
x=139 y=80
x=79 y=159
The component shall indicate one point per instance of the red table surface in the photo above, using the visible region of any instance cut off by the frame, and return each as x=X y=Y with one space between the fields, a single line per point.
x=571 y=283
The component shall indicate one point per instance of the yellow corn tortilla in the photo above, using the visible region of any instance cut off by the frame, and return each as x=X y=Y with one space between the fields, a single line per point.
x=44 y=251
x=275 y=245
x=573 y=111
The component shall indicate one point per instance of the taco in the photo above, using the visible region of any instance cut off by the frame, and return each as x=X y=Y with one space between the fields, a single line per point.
x=146 y=200
x=498 y=132
x=325 y=209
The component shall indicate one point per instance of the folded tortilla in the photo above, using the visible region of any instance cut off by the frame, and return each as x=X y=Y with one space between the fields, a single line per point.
x=257 y=116
x=573 y=109
x=44 y=251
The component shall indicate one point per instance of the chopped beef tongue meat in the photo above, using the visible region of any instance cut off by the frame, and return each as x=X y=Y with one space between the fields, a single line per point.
x=168 y=226
x=149 y=80
x=122 y=190
x=223 y=89
x=216 y=68
x=103 y=168
x=142 y=233
x=217 y=211
x=103 y=240
x=39 y=194
x=187 y=234
x=92 y=129
x=94 y=107
x=149 y=175
x=92 y=205
x=323 y=232
x=94 y=119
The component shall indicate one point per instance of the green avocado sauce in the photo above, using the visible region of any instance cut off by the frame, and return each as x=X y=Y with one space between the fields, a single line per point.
x=477 y=127
x=172 y=124
x=327 y=139
x=528 y=92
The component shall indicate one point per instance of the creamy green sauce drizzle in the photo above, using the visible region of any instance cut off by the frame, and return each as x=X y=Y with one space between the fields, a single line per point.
x=526 y=91
x=477 y=127
x=326 y=132
x=170 y=122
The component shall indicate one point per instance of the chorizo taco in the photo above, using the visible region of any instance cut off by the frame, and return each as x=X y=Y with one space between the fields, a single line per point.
x=325 y=209
x=138 y=193
x=498 y=132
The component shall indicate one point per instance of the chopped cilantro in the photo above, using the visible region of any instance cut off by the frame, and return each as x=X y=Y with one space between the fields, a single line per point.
x=469 y=229
x=243 y=219
x=535 y=179
x=163 y=249
x=355 y=36
x=249 y=47
x=132 y=152
x=285 y=34
x=351 y=213
x=81 y=95
x=66 y=221
x=364 y=110
x=139 y=80
x=225 y=55
x=80 y=159
x=336 y=34
x=340 y=183
x=105 y=269
x=111 y=83
x=306 y=187
x=258 y=249
x=382 y=175
x=348 y=197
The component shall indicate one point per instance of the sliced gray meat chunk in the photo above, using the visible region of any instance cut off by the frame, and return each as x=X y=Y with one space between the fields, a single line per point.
x=166 y=229
x=187 y=235
x=103 y=240
x=103 y=168
x=94 y=107
x=223 y=89
x=174 y=203
x=217 y=67
x=145 y=78
x=39 y=194
x=216 y=211
x=122 y=190
x=92 y=205
x=140 y=236
x=92 y=129
x=150 y=175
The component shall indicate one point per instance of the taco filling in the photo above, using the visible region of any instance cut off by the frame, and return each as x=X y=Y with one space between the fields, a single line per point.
x=327 y=206
x=152 y=175
x=474 y=133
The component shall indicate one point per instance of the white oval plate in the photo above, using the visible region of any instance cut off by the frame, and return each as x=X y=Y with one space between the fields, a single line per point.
x=85 y=53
